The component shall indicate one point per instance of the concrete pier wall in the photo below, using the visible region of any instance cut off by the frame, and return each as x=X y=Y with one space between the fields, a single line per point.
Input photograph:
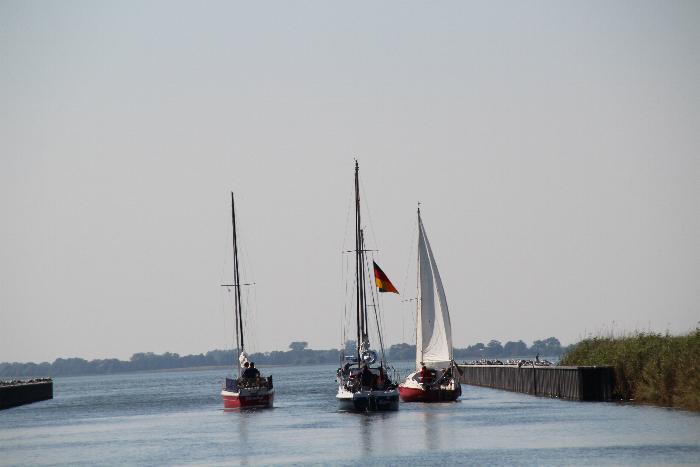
x=12 y=395
x=568 y=382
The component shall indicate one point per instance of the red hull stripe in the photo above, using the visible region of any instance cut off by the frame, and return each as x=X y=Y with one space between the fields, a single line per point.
x=420 y=395
x=236 y=402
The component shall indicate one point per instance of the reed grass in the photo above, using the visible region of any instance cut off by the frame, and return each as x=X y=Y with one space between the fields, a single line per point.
x=649 y=368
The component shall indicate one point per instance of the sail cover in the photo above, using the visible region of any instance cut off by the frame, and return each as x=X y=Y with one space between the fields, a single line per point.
x=433 y=328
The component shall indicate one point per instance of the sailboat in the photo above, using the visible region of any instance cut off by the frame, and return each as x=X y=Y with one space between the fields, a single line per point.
x=250 y=388
x=434 y=378
x=363 y=381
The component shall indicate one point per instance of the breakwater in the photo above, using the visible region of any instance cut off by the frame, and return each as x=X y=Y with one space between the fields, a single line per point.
x=581 y=383
x=14 y=393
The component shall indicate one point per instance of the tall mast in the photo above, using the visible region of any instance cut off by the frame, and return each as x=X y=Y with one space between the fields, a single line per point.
x=419 y=324
x=358 y=265
x=240 y=347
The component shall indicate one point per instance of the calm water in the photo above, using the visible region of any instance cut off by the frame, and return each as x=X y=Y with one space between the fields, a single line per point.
x=175 y=418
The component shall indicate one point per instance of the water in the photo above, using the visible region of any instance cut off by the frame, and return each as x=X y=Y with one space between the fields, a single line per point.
x=175 y=418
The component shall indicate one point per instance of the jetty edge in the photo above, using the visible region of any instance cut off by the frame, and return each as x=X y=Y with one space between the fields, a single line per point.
x=578 y=383
x=20 y=392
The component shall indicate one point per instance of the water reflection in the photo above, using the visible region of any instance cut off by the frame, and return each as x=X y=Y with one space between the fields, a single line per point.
x=431 y=431
x=366 y=433
x=376 y=433
x=243 y=441
x=244 y=423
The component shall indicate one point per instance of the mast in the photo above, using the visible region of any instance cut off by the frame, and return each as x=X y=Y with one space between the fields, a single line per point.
x=362 y=314
x=360 y=280
x=419 y=326
x=240 y=347
x=358 y=265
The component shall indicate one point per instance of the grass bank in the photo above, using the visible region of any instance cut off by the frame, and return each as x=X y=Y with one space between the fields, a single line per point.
x=649 y=368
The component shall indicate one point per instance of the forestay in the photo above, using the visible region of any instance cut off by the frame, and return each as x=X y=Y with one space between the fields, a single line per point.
x=433 y=329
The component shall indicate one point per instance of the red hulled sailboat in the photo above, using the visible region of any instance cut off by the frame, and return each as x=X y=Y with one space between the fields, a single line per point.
x=250 y=388
x=434 y=379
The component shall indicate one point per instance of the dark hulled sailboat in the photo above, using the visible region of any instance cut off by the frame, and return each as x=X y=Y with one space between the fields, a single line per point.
x=363 y=381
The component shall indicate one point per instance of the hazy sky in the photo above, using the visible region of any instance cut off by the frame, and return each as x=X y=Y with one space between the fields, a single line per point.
x=554 y=146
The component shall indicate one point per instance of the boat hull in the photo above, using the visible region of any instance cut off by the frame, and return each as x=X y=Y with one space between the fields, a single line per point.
x=369 y=401
x=263 y=398
x=409 y=394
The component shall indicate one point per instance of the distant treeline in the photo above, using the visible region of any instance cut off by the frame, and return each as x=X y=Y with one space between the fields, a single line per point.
x=650 y=368
x=298 y=354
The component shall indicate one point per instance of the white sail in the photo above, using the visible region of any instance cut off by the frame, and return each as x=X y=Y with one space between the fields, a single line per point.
x=433 y=328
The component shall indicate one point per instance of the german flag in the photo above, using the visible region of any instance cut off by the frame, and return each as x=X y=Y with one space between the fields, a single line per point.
x=383 y=282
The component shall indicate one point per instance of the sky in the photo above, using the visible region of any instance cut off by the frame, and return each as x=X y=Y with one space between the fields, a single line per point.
x=554 y=147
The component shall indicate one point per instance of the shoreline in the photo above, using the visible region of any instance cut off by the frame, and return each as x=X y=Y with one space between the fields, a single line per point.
x=200 y=368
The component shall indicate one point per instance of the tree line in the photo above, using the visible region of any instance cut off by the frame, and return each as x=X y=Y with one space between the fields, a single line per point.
x=550 y=347
x=298 y=354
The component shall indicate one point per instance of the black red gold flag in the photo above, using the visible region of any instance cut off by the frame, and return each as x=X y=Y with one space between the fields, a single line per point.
x=383 y=282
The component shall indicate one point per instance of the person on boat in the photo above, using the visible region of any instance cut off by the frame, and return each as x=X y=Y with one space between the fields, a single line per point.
x=381 y=380
x=445 y=377
x=448 y=374
x=425 y=375
x=366 y=378
x=344 y=371
x=246 y=373
x=251 y=372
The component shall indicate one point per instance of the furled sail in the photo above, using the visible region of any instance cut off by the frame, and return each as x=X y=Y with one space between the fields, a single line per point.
x=433 y=328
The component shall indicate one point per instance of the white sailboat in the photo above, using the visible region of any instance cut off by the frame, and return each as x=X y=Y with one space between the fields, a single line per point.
x=434 y=378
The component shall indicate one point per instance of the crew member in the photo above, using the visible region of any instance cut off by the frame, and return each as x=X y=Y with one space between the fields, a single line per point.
x=425 y=375
x=251 y=372
x=367 y=377
x=381 y=380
